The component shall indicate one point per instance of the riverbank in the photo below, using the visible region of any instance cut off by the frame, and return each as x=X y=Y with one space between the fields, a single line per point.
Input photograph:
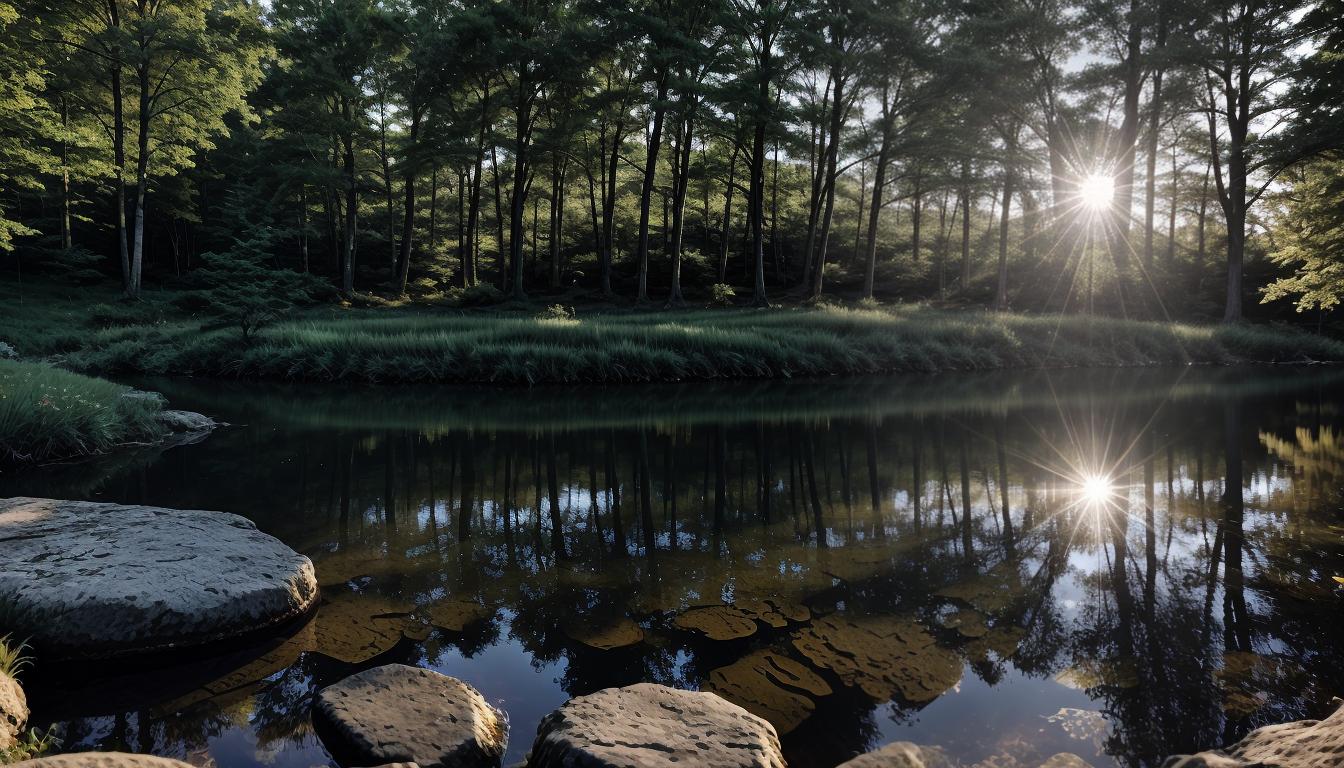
x=48 y=413
x=520 y=345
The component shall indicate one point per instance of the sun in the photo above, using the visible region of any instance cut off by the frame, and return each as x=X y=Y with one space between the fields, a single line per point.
x=1097 y=191
x=1096 y=489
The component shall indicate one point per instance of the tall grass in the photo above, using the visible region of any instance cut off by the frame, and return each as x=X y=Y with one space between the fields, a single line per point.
x=12 y=660
x=48 y=413
x=383 y=346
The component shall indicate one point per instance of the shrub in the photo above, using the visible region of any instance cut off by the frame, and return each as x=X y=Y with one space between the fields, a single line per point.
x=721 y=295
x=556 y=312
x=478 y=295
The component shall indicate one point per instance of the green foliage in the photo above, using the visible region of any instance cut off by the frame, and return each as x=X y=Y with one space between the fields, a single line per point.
x=556 y=312
x=47 y=413
x=479 y=295
x=12 y=660
x=1311 y=239
x=721 y=295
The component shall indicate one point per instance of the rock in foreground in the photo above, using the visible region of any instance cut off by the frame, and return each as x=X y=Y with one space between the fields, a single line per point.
x=102 y=760
x=89 y=580
x=13 y=712
x=400 y=714
x=654 y=726
x=1301 y=744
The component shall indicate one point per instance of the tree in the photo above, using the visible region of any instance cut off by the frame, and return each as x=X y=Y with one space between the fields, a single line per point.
x=1245 y=51
x=25 y=120
x=176 y=72
x=1310 y=238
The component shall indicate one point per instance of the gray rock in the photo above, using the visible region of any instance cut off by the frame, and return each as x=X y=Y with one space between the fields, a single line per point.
x=653 y=726
x=187 y=421
x=901 y=754
x=1300 y=744
x=13 y=712
x=101 y=760
x=90 y=580
x=400 y=714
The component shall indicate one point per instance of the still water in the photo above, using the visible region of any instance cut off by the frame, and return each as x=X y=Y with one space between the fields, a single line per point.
x=1116 y=564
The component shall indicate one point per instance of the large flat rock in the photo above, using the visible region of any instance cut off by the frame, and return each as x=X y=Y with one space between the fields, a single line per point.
x=401 y=714
x=655 y=727
x=89 y=580
x=1300 y=744
x=102 y=760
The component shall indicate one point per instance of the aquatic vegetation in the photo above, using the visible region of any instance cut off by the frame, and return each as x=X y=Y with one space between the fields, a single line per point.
x=48 y=413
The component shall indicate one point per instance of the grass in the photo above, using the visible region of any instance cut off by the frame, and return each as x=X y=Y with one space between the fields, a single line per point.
x=430 y=345
x=12 y=660
x=49 y=413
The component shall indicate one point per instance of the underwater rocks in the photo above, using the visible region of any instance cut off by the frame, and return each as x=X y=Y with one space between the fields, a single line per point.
x=102 y=760
x=401 y=714
x=1300 y=744
x=654 y=726
x=90 y=580
x=13 y=712
x=901 y=754
x=882 y=655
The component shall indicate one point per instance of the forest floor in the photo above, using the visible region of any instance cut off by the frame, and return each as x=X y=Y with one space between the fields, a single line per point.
x=88 y=330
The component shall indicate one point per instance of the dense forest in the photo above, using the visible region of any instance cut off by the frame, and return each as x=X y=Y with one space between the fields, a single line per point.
x=1148 y=158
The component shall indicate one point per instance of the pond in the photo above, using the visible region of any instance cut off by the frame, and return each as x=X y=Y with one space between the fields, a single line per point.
x=1117 y=564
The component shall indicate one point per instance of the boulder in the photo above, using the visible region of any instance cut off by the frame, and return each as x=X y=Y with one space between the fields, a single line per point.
x=1300 y=744
x=901 y=754
x=655 y=727
x=401 y=714
x=13 y=712
x=90 y=580
x=101 y=760
x=186 y=421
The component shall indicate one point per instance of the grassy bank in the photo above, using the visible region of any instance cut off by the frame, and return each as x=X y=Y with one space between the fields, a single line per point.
x=513 y=347
x=49 y=413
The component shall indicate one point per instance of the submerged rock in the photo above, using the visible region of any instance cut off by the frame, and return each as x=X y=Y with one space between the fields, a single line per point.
x=882 y=655
x=1300 y=744
x=654 y=726
x=401 y=714
x=771 y=685
x=718 y=622
x=901 y=754
x=90 y=580
x=189 y=422
x=13 y=712
x=102 y=760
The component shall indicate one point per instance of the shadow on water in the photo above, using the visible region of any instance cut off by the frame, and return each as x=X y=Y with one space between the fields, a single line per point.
x=1118 y=564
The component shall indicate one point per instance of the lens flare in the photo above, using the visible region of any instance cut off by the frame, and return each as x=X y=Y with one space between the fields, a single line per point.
x=1096 y=490
x=1097 y=191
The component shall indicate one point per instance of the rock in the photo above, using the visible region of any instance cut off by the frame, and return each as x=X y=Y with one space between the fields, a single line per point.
x=771 y=685
x=717 y=622
x=653 y=726
x=1065 y=760
x=13 y=712
x=401 y=714
x=101 y=760
x=187 y=421
x=1300 y=744
x=607 y=635
x=901 y=754
x=882 y=655
x=90 y=580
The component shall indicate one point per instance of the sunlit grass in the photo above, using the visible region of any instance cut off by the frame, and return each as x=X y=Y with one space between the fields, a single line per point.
x=517 y=347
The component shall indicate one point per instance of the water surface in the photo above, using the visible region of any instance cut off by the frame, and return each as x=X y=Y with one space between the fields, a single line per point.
x=1117 y=564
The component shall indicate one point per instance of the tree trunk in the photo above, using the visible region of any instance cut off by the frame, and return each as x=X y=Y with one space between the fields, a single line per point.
x=351 y=201
x=875 y=206
x=646 y=191
x=518 y=195
x=683 y=173
x=727 y=212
x=829 y=184
x=408 y=217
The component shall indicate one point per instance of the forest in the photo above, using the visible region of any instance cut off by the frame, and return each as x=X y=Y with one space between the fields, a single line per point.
x=1150 y=159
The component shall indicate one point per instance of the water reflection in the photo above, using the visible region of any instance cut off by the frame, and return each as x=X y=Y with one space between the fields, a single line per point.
x=1121 y=565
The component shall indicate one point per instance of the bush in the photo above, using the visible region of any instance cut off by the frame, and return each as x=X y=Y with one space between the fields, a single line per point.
x=556 y=312
x=721 y=295
x=478 y=295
